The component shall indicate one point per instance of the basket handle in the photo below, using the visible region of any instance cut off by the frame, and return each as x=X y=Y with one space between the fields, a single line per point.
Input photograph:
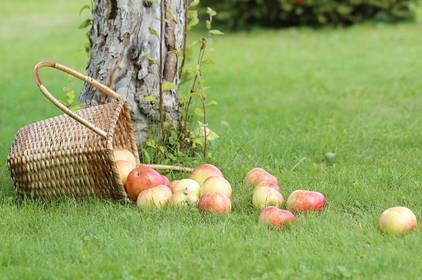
x=102 y=88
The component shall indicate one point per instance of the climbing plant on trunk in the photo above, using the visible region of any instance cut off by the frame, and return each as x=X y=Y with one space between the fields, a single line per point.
x=136 y=48
x=139 y=48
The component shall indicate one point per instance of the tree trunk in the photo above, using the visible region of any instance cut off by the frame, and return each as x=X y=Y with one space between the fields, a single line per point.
x=126 y=38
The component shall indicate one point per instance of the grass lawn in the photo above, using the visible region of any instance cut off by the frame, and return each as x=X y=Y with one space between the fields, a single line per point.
x=289 y=96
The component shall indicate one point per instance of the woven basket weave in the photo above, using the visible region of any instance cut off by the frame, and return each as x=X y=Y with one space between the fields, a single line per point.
x=72 y=154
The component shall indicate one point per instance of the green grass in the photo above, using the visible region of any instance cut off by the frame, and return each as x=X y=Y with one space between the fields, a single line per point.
x=289 y=96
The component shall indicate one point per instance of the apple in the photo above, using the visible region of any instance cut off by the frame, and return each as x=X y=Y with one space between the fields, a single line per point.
x=157 y=196
x=140 y=179
x=216 y=203
x=304 y=201
x=276 y=218
x=187 y=185
x=184 y=199
x=203 y=171
x=266 y=196
x=172 y=184
x=123 y=154
x=397 y=221
x=216 y=184
x=258 y=176
x=269 y=185
x=123 y=169
x=166 y=181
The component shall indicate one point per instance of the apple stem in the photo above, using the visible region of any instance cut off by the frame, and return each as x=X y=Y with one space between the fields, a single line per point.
x=170 y=167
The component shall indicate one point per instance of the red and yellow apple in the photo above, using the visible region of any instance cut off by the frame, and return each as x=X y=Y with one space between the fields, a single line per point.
x=397 y=221
x=157 y=197
x=184 y=199
x=216 y=184
x=275 y=217
x=123 y=169
x=140 y=179
x=259 y=176
x=123 y=154
x=266 y=196
x=187 y=185
x=216 y=203
x=305 y=201
x=172 y=184
x=269 y=185
x=166 y=181
x=203 y=171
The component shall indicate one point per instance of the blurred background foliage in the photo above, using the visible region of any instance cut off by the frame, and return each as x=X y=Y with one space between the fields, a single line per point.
x=237 y=14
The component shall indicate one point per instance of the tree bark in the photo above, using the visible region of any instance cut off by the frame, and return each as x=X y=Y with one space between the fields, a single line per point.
x=126 y=38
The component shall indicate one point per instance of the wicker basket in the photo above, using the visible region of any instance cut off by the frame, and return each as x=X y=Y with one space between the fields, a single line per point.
x=72 y=154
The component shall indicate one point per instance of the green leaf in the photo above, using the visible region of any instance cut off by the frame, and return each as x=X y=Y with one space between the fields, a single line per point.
x=211 y=12
x=194 y=3
x=211 y=135
x=196 y=93
x=77 y=107
x=212 y=103
x=166 y=86
x=84 y=7
x=87 y=47
x=176 y=52
x=199 y=111
x=193 y=19
x=150 y=99
x=208 y=24
x=85 y=23
x=198 y=141
x=154 y=32
x=170 y=14
x=215 y=32
x=147 y=157
x=208 y=61
x=150 y=143
x=200 y=133
x=70 y=95
x=344 y=10
x=150 y=2
x=150 y=59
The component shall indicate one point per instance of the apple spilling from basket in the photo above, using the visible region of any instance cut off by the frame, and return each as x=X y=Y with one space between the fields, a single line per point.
x=206 y=187
x=208 y=190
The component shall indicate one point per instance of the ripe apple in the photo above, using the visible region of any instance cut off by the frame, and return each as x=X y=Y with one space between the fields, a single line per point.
x=216 y=203
x=172 y=184
x=276 y=218
x=269 y=185
x=140 y=179
x=188 y=185
x=203 y=171
x=216 y=184
x=266 y=196
x=397 y=221
x=304 y=201
x=259 y=176
x=124 y=168
x=123 y=154
x=166 y=181
x=154 y=197
x=184 y=199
